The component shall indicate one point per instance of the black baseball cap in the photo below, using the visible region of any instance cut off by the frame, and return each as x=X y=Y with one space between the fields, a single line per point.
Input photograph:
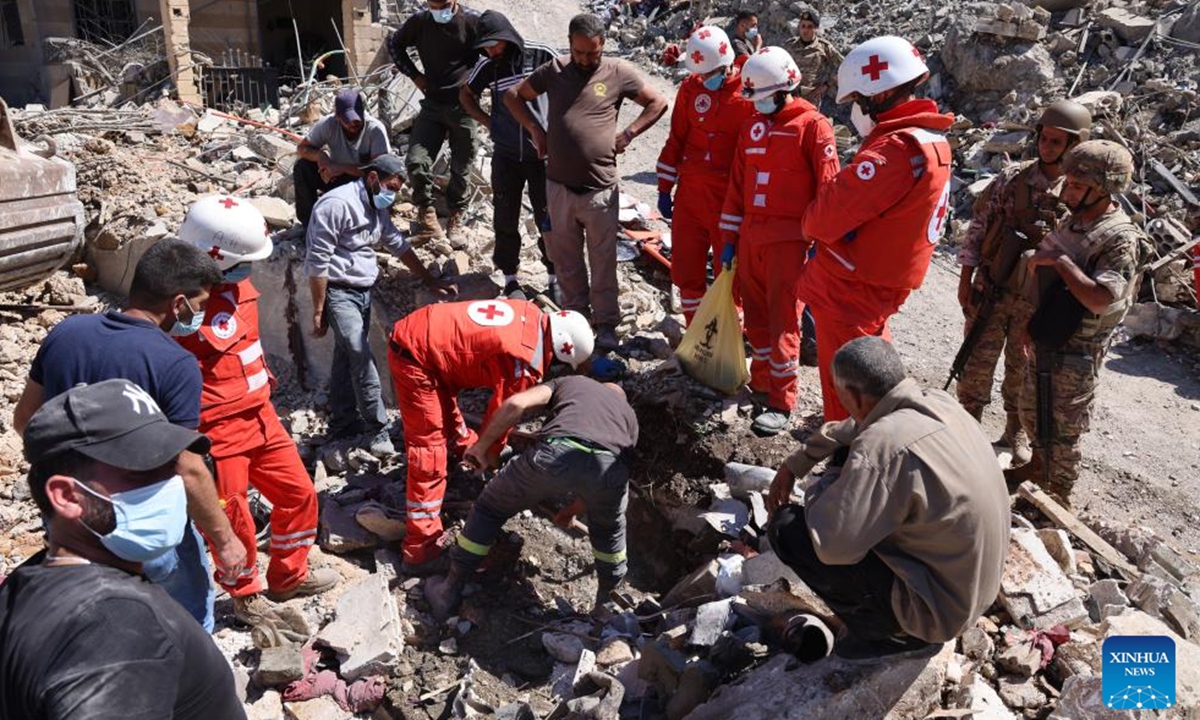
x=115 y=422
x=348 y=104
x=387 y=165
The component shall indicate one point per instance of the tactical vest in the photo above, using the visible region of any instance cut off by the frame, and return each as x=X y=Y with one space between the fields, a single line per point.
x=1033 y=215
x=1098 y=326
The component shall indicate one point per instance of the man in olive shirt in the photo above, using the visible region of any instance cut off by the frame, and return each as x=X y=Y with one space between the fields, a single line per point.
x=905 y=535
x=581 y=144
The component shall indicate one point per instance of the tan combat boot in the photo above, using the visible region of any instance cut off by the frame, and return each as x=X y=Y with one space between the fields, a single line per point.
x=426 y=225
x=456 y=232
x=1015 y=439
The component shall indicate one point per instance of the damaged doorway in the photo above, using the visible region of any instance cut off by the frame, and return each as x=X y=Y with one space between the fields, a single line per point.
x=315 y=21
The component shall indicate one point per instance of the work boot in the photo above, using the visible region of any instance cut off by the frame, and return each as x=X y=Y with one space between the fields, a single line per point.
x=426 y=225
x=605 y=585
x=513 y=291
x=808 y=352
x=444 y=592
x=856 y=649
x=770 y=422
x=1014 y=438
x=456 y=231
x=381 y=446
x=316 y=582
x=254 y=610
x=606 y=338
x=1032 y=471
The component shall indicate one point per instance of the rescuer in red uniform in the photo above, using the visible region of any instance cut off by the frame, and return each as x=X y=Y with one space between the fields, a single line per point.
x=439 y=350
x=877 y=222
x=249 y=445
x=784 y=154
x=708 y=115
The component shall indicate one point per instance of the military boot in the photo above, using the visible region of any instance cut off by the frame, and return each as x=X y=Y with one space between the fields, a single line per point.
x=1014 y=438
x=444 y=592
x=456 y=231
x=1017 y=474
x=426 y=225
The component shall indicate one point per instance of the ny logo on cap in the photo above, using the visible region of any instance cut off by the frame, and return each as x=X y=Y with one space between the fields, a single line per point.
x=138 y=397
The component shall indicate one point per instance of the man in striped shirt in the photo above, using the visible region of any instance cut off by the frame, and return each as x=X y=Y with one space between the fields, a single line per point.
x=508 y=60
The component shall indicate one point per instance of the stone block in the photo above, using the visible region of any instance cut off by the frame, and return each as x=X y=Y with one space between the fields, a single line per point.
x=279 y=665
x=267 y=707
x=832 y=688
x=1130 y=27
x=700 y=584
x=1034 y=589
x=614 y=652
x=1105 y=598
x=322 y=708
x=1021 y=660
x=712 y=619
x=744 y=480
x=277 y=211
x=459 y=263
x=271 y=146
x=1058 y=544
x=979 y=697
x=563 y=647
x=765 y=568
x=977 y=645
x=366 y=632
x=1020 y=693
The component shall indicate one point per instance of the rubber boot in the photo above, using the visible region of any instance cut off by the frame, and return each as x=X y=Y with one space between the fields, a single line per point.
x=1014 y=438
x=444 y=592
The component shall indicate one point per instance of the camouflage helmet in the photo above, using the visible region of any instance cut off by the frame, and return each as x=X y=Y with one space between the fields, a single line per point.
x=1068 y=116
x=1101 y=163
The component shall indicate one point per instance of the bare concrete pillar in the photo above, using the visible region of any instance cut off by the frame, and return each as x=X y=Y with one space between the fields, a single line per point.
x=176 y=15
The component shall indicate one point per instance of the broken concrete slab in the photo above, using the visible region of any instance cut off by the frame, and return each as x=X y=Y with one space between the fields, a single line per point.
x=1187 y=655
x=979 y=697
x=698 y=586
x=270 y=146
x=279 y=665
x=267 y=707
x=1131 y=28
x=1034 y=589
x=614 y=652
x=565 y=675
x=366 y=634
x=783 y=689
x=277 y=212
x=977 y=645
x=1105 y=598
x=563 y=647
x=765 y=568
x=341 y=533
x=661 y=666
x=1022 y=660
x=1020 y=693
x=745 y=480
x=712 y=619
x=322 y=708
x=696 y=684
x=1058 y=544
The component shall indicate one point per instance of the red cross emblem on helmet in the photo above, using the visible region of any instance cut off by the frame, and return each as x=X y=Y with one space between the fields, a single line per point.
x=874 y=68
x=228 y=203
x=697 y=57
x=704 y=34
x=567 y=348
x=792 y=75
x=723 y=50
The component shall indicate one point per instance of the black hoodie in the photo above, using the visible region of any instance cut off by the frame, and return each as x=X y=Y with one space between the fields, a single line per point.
x=520 y=59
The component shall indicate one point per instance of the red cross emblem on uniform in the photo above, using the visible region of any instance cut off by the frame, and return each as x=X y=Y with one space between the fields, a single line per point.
x=223 y=323
x=491 y=311
x=874 y=68
x=567 y=348
x=723 y=49
x=697 y=57
x=228 y=203
x=215 y=253
x=703 y=34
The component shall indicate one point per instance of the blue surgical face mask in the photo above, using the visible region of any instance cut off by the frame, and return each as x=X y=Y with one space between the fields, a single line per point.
x=767 y=105
x=715 y=82
x=237 y=273
x=752 y=33
x=442 y=16
x=384 y=198
x=150 y=520
x=181 y=329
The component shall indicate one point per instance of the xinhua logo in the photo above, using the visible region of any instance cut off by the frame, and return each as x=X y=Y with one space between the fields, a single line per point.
x=1139 y=672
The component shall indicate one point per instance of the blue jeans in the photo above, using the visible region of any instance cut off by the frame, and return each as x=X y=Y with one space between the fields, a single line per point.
x=355 y=396
x=184 y=574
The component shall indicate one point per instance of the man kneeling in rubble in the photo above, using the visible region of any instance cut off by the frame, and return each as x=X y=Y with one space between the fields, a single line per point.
x=905 y=534
x=582 y=448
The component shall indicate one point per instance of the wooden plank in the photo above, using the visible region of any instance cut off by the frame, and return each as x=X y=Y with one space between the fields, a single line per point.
x=1066 y=520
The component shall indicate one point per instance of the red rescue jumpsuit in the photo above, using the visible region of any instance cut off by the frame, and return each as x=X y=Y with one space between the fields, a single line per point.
x=249 y=445
x=699 y=150
x=436 y=352
x=779 y=163
x=876 y=226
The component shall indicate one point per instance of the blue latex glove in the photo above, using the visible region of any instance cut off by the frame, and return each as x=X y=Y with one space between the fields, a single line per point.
x=665 y=206
x=727 y=253
x=606 y=369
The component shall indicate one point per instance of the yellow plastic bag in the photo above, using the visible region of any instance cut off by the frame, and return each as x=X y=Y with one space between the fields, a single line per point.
x=711 y=350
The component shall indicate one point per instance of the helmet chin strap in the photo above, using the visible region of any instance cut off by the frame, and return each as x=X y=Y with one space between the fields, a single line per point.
x=875 y=109
x=1083 y=205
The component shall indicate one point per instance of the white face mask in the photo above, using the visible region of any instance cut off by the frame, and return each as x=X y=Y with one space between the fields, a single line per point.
x=861 y=121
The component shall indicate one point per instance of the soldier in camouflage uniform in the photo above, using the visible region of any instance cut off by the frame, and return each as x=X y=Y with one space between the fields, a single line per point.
x=1022 y=199
x=1095 y=254
x=816 y=57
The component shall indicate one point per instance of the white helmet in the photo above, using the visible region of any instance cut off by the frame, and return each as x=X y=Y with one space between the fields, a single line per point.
x=228 y=229
x=572 y=337
x=767 y=72
x=877 y=65
x=708 y=49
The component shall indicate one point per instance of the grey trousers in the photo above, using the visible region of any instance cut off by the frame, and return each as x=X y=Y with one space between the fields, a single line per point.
x=583 y=235
x=549 y=470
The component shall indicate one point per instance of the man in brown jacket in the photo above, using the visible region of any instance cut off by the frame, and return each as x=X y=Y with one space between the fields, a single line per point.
x=905 y=534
